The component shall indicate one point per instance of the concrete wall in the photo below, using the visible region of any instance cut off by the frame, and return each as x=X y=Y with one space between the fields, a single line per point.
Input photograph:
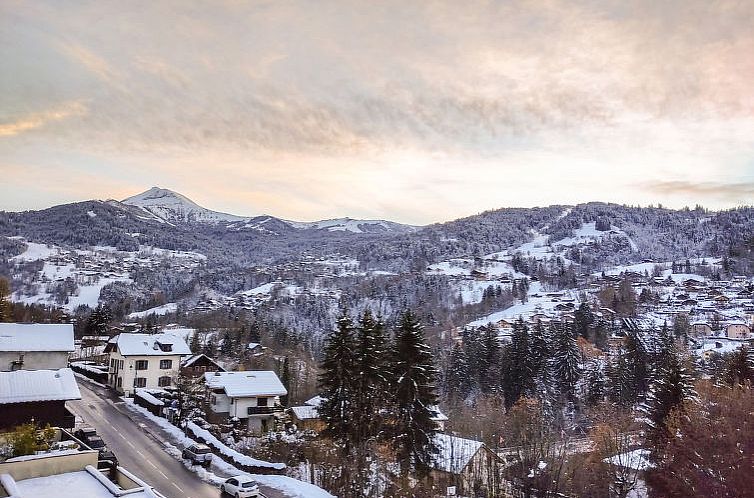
x=49 y=465
x=34 y=360
x=221 y=403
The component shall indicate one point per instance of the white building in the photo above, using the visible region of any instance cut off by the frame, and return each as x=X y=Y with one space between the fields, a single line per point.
x=37 y=346
x=144 y=360
x=737 y=330
x=253 y=397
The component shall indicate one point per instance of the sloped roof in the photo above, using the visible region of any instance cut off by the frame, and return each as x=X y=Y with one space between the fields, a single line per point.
x=455 y=453
x=315 y=401
x=149 y=344
x=246 y=384
x=437 y=415
x=23 y=386
x=190 y=361
x=305 y=412
x=36 y=337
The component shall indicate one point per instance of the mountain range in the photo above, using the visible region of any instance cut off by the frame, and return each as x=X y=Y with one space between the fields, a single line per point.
x=174 y=208
x=165 y=219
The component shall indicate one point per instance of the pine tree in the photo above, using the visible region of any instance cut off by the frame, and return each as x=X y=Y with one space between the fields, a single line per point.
x=371 y=370
x=489 y=360
x=226 y=345
x=621 y=388
x=595 y=379
x=195 y=346
x=285 y=378
x=637 y=360
x=414 y=430
x=566 y=359
x=582 y=320
x=5 y=307
x=337 y=383
x=98 y=322
x=672 y=387
x=457 y=377
x=518 y=371
x=210 y=346
x=739 y=368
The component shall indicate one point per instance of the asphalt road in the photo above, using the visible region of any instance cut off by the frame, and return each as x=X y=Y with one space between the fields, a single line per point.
x=139 y=452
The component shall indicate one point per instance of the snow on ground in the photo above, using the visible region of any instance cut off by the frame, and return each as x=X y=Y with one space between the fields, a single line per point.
x=183 y=332
x=89 y=294
x=453 y=267
x=86 y=294
x=156 y=251
x=265 y=289
x=292 y=487
x=472 y=291
x=636 y=459
x=159 y=311
x=35 y=252
x=540 y=303
x=588 y=232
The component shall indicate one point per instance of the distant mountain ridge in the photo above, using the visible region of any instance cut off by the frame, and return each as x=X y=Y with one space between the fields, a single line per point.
x=175 y=208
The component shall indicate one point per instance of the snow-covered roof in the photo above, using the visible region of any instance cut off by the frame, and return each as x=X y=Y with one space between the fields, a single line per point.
x=23 y=386
x=455 y=453
x=193 y=359
x=36 y=337
x=246 y=384
x=437 y=415
x=305 y=412
x=150 y=344
x=315 y=401
x=76 y=485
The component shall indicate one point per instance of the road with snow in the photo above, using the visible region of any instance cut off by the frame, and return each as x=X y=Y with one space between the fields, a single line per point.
x=139 y=451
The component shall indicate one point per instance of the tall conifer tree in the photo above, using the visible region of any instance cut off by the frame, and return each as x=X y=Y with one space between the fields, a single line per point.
x=415 y=374
x=337 y=383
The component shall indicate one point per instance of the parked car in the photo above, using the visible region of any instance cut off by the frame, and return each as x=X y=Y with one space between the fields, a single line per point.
x=84 y=433
x=240 y=487
x=199 y=454
x=90 y=438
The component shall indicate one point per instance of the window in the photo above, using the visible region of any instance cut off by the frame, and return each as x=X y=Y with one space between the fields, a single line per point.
x=213 y=400
x=166 y=364
x=261 y=401
x=163 y=381
x=120 y=382
x=142 y=364
x=140 y=382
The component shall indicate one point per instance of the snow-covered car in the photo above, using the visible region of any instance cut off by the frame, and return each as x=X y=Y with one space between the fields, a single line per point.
x=199 y=454
x=240 y=487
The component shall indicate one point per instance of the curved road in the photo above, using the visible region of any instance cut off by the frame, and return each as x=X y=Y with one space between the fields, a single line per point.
x=138 y=451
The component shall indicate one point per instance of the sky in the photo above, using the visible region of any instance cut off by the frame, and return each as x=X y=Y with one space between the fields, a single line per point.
x=416 y=112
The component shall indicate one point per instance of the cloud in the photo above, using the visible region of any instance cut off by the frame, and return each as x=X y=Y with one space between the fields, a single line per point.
x=463 y=106
x=40 y=119
x=734 y=190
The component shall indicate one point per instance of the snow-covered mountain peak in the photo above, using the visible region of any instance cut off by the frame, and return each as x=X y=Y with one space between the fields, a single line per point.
x=172 y=207
x=177 y=208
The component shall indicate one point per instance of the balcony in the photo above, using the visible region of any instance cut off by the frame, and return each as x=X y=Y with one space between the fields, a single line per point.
x=263 y=410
